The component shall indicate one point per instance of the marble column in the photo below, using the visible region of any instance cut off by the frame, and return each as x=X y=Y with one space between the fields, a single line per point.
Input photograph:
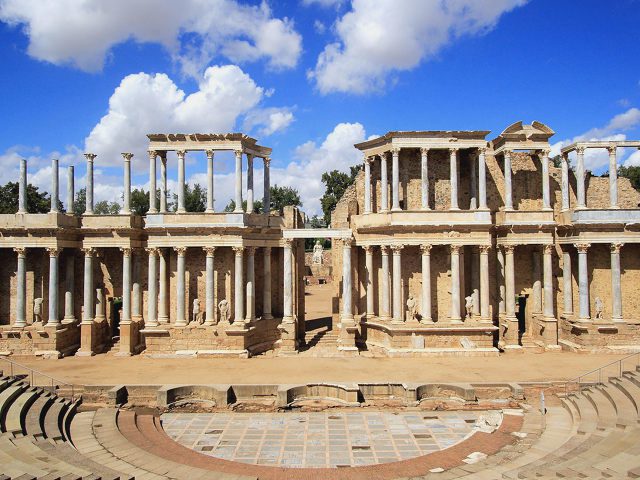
x=616 y=288
x=163 y=296
x=163 y=182
x=181 y=180
x=583 y=282
x=482 y=179
x=70 y=189
x=397 y=282
x=136 y=299
x=249 y=183
x=367 y=185
x=368 y=250
x=266 y=195
x=580 y=174
x=386 y=289
x=238 y=316
x=53 y=318
x=181 y=287
x=266 y=286
x=210 y=208
x=69 y=276
x=455 y=284
x=567 y=284
x=99 y=305
x=425 y=250
x=153 y=207
x=251 y=285
x=424 y=177
x=453 y=178
x=395 y=178
x=126 y=208
x=238 y=198
x=347 y=311
x=484 y=283
x=548 y=281
x=546 y=195
x=508 y=189
x=510 y=281
x=88 y=292
x=501 y=272
x=564 y=183
x=152 y=289
x=21 y=287
x=384 y=183
x=22 y=187
x=55 y=188
x=613 y=177
x=126 y=285
x=210 y=305
x=475 y=281
x=537 y=283
x=89 y=188
x=288 y=282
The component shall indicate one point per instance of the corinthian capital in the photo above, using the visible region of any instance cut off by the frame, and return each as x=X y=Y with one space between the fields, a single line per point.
x=181 y=154
x=580 y=150
x=484 y=248
x=210 y=251
x=238 y=251
x=582 y=247
x=612 y=149
x=267 y=161
x=181 y=251
x=21 y=251
x=397 y=249
x=395 y=151
x=425 y=249
x=209 y=153
x=152 y=154
x=615 y=247
x=90 y=156
x=544 y=153
x=53 y=251
x=127 y=156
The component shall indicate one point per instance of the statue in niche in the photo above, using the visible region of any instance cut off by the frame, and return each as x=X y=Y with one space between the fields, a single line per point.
x=468 y=305
x=196 y=316
x=37 y=310
x=223 y=308
x=412 y=309
x=599 y=308
x=317 y=258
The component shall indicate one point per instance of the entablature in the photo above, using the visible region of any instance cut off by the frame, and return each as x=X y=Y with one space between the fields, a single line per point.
x=422 y=218
x=161 y=142
x=430 y=139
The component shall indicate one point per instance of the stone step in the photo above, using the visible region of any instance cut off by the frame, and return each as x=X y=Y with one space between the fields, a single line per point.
x=53 y=419
x=626 y=413
x=607 y=415
x=15 y=463
x=34 y=421
x=38 y=456
x=16 y=416
x=631 y=390
x=7 y=397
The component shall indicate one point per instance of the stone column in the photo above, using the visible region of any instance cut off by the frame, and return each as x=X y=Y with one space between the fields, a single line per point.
x=546 y=196
x=152 y=298
x=266 y=195
x=583 y=282
x=395 y=178
x=153 y=207
x=424 y=177
x=537 y=283
x=426 y=282
x=53 y=319
x=100 y=311
x=126 y=208
x=386 y=311
x=508 y=189
x=136 y=299
x=367 y=185
x=266 y=286
x=210 y=305
x=22 y=187
x=126 y=285
x=163 y=182
x=453 y=177
x=89 y=188
x=613 y=177
x=251 y=285
x=616 y=288
x=288 y=282
x=455 y=284
x=181 y=180
x=55 y=189
x=163 y=297
x=502 y=303
x=181 y=273
x=70 y=189
x=548 y=282
x=482 y=178
x=484 y=283
x=210 y=208
x=88 y=311
x=397 y=282
x=580 y=174
x=384 y=184
x=565 y=182
x=249 y=183
x=510 y=285
x=238 y=198
x=21 y=287
x=347 y=311
x=69 y=276
x=368 y=250
x=567 y=285
x=239 y=285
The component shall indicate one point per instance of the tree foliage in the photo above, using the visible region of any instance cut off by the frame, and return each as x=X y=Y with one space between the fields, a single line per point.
x=336 y=182
x=632 y=173
x=80 y=203
x=283 y=197
x=195 y=199
x=37 y=202
x=105 y=207
x=316 y=222
x=231 y=206
x=140 y=201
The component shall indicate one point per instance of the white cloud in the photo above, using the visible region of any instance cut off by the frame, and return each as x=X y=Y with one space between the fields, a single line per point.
x=323 y=3
x=82 y=33
x=633 y=160
x=272 y=119
x=379 y=37
x=319 y=27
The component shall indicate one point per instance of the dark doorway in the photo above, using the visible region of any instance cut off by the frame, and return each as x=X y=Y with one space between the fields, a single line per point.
x=520 y=315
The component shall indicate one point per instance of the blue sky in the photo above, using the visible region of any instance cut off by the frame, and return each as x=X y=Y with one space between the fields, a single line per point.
x=307 y=78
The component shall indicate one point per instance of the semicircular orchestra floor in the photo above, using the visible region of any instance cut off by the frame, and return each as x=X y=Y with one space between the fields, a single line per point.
x=326 y=439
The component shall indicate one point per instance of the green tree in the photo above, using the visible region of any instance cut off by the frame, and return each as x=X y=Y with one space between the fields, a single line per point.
x=336 y=182
x=231 y=206
x=195 y=199
x=632 y=173
x=105 y=207
x=37 y=202
x=316 y=222
x=80 y=203
x=282 y=197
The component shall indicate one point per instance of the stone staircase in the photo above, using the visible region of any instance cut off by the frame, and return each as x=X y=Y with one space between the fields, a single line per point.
x=320 y=342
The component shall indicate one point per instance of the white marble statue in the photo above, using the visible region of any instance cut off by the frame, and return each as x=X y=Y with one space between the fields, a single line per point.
x=317 y=253
x=599 y=308
x=37 y=310
x=412 y=309
x=196 y=316
x=468 y=305
x=223 y=308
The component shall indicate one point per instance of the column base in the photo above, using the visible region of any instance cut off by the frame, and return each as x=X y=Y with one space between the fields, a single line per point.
x=396 y=209
x=267 y=316
x=209 y=210
x=584 y=320
x=455 y=320
x=163 y=320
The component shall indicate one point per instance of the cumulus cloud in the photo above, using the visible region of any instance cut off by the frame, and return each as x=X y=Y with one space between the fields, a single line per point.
x=272 y=120
x=82 y=33
x=379 y=37
x=323 y=3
